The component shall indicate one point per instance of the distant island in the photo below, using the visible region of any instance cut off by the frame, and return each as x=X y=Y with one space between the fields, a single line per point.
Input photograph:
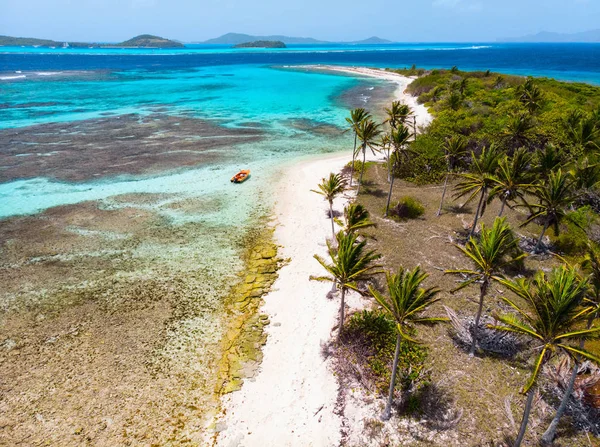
x=237 y=38
x=261 y=44
x=549 y=37
x=142 y=41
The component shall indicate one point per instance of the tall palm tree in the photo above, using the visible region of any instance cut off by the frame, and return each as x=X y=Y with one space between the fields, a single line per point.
x=405 y=301
x=386 y=146
x=591 y=266
x=350 y=264
x=496 y=249
x=551 y=315
x=513 y=179
x=455 y=147
x=479 y=181
x=356 y=218
x=397 y=114
x=356 y=116
x=330 y=188
x=399 y=140
x=367 y=132
x=554 y=196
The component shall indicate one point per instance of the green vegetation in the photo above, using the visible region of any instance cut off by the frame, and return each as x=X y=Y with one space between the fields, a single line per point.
x=407 y=208
x=530 y=150
x=150 y=41
x=261 y=44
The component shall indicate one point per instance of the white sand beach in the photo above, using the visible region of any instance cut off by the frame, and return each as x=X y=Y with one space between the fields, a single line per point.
x=292 y=400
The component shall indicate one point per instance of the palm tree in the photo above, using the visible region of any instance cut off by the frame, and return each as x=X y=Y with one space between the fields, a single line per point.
x=530 y=95
x=496 y=249
x=462 y=86
x=479 y=181
x=513 y=178
x=367 y=132
x=399 y=139
x=330 y=188
x=551 y=316
x=455 y=147
x=356 y=218
x=547 y=160
x=397 y=114
x=584 y=132
x=586 y=175
x=518 y=130
x=406 y=301
x=356 y=116
x=385 y=146
x=554 y=196
x=591 y=266
x=350 y=263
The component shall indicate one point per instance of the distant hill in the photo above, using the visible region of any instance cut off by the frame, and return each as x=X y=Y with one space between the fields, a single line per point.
x=142 y=41
x=372 y=40
x=261 y=44
x=236 y=38
x=150 y=41
x=545 y=36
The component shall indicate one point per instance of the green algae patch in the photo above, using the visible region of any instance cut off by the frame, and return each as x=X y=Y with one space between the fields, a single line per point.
x=244 y=335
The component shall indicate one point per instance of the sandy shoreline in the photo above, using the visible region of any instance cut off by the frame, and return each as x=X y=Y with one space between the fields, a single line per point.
x=292 y=400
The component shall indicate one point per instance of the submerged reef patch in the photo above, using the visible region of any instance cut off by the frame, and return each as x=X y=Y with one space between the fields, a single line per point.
x=121 y=145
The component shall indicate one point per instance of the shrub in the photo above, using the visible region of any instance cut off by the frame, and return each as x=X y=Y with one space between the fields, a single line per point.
x=574 y=240
x=370 y=340
x=407 y=208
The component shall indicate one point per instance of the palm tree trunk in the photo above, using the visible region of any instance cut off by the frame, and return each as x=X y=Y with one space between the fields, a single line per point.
x=353 y=156
x=443 y=194
x=502 y=207
x=334 y=241
x=389 y=163
x=387 y=206
x=482 y=292
x=477 y=212
x=342 y=309
x=362 y=169
x=388 y=408
x=539 y=242
x=525 y=419
x=549 y=434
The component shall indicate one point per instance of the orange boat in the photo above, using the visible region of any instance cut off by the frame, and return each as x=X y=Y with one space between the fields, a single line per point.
x=241 y=176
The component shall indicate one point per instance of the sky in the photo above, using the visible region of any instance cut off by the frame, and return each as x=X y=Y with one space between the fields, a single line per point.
x=333 y=20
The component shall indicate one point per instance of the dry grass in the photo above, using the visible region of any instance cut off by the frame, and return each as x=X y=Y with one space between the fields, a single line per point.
x=484 y=388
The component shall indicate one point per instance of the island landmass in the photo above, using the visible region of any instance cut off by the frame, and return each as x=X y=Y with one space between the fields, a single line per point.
x=261 y=44
x=141 y=41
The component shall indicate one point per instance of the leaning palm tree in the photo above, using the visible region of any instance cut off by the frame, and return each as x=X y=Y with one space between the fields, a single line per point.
x=551 y=315
x=455 y=147
x=367 y=132
x=513 y=179
x=405 y=301
x=330 y=188
x=554 y=196
x=591 y=266
x=356 y=116
x=496 y=249
x=356 y=218
x=350 y=264
x=399 y=140
x=479 y=181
